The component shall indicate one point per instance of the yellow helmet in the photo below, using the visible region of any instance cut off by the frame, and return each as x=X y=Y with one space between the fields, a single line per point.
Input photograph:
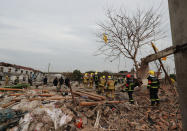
x=151 y=72
x=86 y=74
x=104 y=77
x=172 y=80
x=109 y=77
x=96 y=73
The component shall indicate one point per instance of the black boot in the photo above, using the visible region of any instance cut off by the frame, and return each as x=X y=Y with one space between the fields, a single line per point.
x=131 y=101
x=157 y=103
x=152 y=103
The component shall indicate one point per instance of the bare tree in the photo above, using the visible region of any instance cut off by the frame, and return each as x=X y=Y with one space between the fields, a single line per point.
x=126 y=34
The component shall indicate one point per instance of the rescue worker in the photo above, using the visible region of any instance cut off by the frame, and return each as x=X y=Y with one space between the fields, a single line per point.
x=110 y=87
x=102 y=85
x=131 y=83
x=153 y=86
x=124 y=87
x=61 y=81
x=55 y=83
x=85 y=80
x=96 y=81
x=30 y=81
x=128 y=76
x=45 y=80
x=91 y=80
x=6 y=80
x=67 y=82
x=16 y=81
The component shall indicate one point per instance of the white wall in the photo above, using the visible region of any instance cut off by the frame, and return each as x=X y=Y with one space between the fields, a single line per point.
x=21 y=75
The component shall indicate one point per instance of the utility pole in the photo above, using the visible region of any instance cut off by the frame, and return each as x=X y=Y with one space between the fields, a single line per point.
x=178 y=20
x=48 y=67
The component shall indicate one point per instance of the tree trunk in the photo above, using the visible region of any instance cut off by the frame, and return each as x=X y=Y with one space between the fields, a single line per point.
x=136 y=67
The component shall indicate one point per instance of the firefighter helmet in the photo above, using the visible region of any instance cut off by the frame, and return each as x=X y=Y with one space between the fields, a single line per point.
x=151 y=72
x=128 y=75
x=109 y=77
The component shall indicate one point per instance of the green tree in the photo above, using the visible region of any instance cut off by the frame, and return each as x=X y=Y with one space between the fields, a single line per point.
x=77 y=75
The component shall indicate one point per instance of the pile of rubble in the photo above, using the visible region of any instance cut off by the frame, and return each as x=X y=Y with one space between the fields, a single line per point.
x=45 y=109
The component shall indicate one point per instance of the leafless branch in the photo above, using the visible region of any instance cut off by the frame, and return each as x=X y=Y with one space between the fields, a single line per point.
x=128 y=34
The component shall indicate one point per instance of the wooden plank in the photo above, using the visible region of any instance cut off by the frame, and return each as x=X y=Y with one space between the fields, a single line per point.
x=8 y=89
x=102 y=102
x=50 y=98
x=17 y=100
x=16 y=94
x=45 y=95
x=92 y=94
x=45 y=91
x=8 y=104
x=86 y=95
x=42 y=95
x=89 y=103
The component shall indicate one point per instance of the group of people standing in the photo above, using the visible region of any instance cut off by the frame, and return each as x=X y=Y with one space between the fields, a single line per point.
x=153 y=86
x=103 y=85
x=89 y=79
x=17 y=80
x=106 y=85
x=58 y=82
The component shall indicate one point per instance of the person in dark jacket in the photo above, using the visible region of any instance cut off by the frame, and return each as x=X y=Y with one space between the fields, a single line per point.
x=67 y=82
x=96 y=81
x=16 y=81
x=61 y=81
x=153 y=86
x=131 y=83
x=45 y=80
x=55 y=81
x=30 y=81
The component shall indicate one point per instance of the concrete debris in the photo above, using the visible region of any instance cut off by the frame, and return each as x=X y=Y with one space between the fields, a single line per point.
x=26 y=105
x=42 y=117
x=45 y=109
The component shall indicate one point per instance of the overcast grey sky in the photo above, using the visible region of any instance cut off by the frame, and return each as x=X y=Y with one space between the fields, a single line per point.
x=36 y=32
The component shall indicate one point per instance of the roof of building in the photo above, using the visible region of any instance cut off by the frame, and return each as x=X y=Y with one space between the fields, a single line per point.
x=18 y=66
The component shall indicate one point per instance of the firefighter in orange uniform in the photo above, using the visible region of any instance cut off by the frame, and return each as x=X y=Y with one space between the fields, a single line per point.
x=102 y=84
x=110 y=87
x=85 y=80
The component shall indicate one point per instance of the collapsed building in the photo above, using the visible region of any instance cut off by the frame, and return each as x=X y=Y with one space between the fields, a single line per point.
x=45 y=109
x=13 y=71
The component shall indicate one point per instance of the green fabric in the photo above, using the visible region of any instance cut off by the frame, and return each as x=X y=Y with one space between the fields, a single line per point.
x=19 y=86
x=154 y=87
x=153 y=100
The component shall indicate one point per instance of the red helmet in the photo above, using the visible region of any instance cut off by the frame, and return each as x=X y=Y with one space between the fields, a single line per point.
x=128 y=75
